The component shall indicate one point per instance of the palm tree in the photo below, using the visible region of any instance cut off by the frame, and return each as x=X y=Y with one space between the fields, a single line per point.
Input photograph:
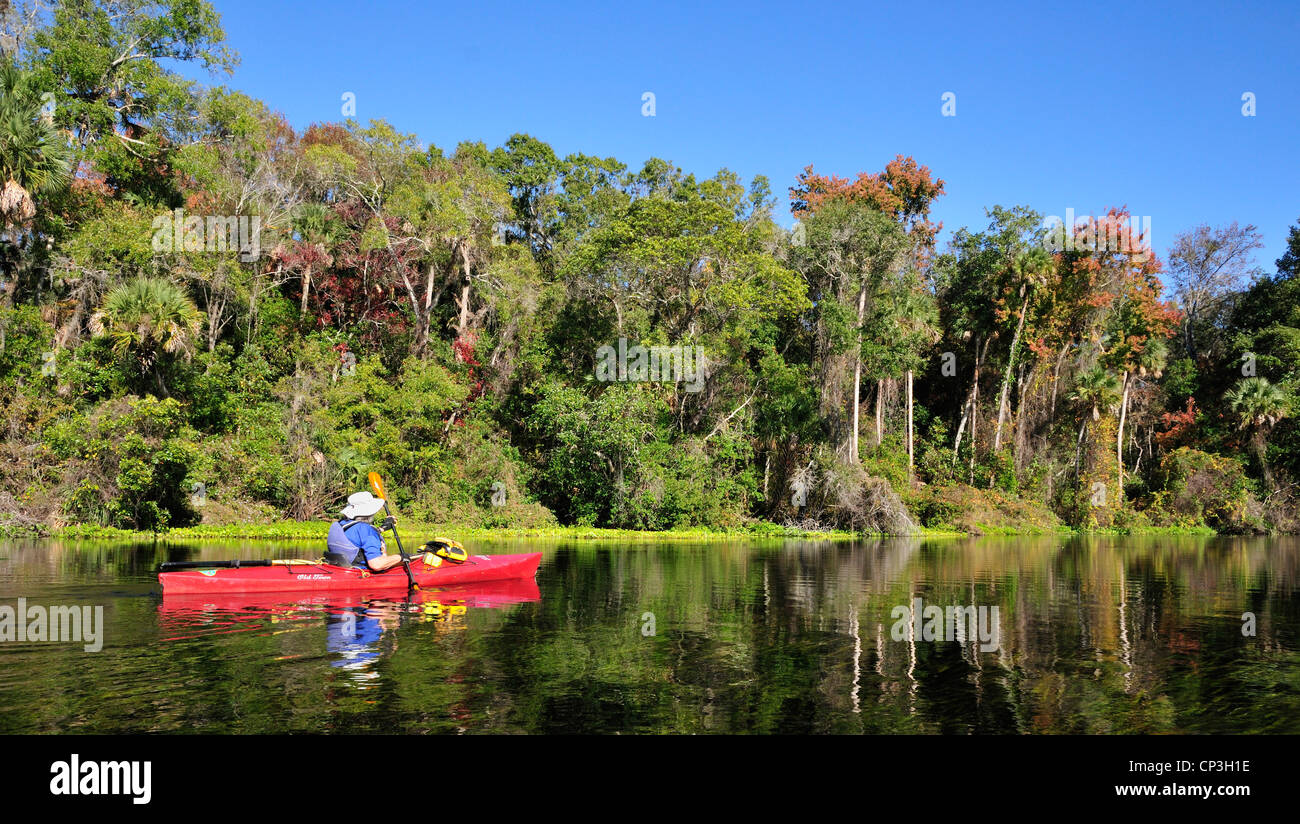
x=1259 y=406
x=35 y=160
x=317 y=232
x=1094 y=390
x=148 y=316
x=1154 y=358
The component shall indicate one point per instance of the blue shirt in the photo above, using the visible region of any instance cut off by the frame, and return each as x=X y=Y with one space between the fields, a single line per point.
x=367 y=538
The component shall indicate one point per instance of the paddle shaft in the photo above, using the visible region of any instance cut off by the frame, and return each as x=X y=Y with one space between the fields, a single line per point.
x=171 y=565
x=406 y=561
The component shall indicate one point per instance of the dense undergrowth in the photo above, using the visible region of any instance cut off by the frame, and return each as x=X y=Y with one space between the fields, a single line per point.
x=461 y=321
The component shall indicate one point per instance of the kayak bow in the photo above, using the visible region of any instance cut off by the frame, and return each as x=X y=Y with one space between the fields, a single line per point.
x=427 y=570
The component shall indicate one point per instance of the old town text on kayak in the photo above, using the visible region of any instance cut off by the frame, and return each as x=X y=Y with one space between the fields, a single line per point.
x=77 y=777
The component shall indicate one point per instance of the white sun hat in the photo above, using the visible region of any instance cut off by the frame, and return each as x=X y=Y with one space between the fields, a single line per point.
x=361 y=505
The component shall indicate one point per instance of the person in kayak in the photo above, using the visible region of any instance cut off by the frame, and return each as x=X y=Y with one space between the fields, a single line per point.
x=355 y=541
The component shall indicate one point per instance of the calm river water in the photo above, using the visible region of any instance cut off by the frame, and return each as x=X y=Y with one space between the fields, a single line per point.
x=1090 y=635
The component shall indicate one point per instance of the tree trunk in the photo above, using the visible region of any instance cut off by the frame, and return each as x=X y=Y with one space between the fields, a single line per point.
x=767 y=472
x=969 y=406
x=1261 y=448
x=974 y=413
x=216 y=322
x=69 y=329
x=857 y=375
x=464 y=294
x=1078 y=448
x=158 y=380
x=6 y=303
x=1023 y=381
x=857 y=384
x=1119 y=440
x=880 y=411
x=306 y=288
x=1056 y=380
x=1006 y=377
x=956 y=444
x=910 y=449
x=424 y=317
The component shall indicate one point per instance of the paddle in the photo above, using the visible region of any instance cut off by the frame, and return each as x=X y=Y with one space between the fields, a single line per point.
x=377 y=484
x=168 y=566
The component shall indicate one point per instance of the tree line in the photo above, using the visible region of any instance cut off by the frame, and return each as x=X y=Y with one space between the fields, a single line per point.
x=207 y=313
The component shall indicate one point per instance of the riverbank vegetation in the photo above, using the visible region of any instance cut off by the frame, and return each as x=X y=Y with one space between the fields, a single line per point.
x=416 y=533
x=209 y=316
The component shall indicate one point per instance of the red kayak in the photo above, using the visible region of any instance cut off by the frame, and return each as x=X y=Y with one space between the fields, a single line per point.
x=314 y=576
x=488 y=594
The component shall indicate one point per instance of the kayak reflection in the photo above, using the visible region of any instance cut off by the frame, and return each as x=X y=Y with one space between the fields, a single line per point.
x=353 y=635
x=356 y=623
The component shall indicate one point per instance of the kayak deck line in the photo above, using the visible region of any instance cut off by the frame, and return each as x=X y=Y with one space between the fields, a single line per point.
x=427 y=570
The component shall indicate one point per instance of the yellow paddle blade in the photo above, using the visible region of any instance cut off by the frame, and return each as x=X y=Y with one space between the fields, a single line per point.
x=377 y=485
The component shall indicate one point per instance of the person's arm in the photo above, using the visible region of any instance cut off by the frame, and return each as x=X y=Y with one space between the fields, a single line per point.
x=383 y=561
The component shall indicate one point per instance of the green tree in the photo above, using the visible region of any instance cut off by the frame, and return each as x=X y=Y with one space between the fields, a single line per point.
x=848 y=254
x=1003 y=266
x=107 y=61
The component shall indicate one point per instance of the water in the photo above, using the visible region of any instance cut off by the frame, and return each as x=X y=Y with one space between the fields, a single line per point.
x=1094 y=635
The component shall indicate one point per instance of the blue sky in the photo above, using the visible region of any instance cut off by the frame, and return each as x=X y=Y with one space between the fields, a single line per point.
x=1084 y=106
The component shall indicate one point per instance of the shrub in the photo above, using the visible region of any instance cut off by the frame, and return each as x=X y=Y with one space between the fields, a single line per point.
x=128 y=464
x=1196 y=488
x=978 y=511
